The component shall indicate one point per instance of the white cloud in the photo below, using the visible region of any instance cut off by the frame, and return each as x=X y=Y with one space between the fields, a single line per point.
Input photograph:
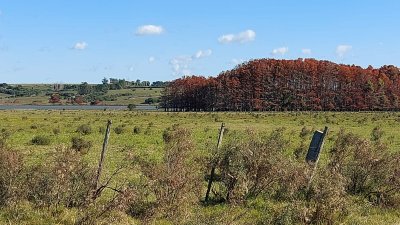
x=280 y=51
x=306 y=51
x=80 y=45
x=342 y=50
x=181 y=64
x=149 y=30
x=202 y=53
x=242 y=37
x=152 y=59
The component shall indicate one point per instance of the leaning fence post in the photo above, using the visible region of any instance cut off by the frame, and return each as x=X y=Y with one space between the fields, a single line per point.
x=212 y=174
x=314 y=151
x=102 y=156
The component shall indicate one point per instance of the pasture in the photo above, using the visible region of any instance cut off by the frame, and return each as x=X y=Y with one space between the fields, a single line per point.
x=140 y=136
x=133 y=95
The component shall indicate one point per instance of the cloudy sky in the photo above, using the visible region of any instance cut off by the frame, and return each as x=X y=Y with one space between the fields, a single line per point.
x=45 y=41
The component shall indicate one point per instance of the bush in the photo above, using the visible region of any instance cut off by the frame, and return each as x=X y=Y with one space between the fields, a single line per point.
x=11 y=164
x=131 y=107
x=305 y=132
x=370 y=169
x=4 y=136
x=137 y=130
x=102 y=130
x=327 y=198
x=255 y=165
x=65 y=182
x=377 y=134
x=119 y=129
x=56 y=131
x=80 y=144
x=84 y=129
x=176 y=181
x=41 y=140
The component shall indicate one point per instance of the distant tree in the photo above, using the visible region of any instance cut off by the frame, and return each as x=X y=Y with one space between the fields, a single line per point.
x=58 y=87
x=302 y=84
x=145 y=83
x=55 y=98
x=159 y=84
x=113 y=81
x=131 y=107
x=122 y=83
x=102 y=88
x=104 y=81
x=84 y=88
x=149 y=101
x=78 y=100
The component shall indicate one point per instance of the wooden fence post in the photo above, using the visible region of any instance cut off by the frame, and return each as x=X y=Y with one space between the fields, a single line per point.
x=314 y=153
x=101 y=161
x=212 y=174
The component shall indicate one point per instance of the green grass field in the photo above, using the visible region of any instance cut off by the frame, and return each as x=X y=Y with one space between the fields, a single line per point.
x=148 y=143
x=204 y=125
x=135 y=95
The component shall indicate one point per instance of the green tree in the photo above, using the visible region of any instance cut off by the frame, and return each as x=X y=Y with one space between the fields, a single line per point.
x=84 y=88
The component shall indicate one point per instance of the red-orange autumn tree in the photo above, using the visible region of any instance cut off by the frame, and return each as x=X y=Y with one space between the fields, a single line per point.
x=279 y=85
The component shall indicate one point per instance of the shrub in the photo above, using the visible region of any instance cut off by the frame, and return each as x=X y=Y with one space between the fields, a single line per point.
x=80 y=144
x=84 y=129
x=305 y=132
x=327 y=198
x=256 y=165
x=137 y=130
x=131 y=107
x=376 y=134
x=370 y=169
x=119 y=129
x=65 y=182
x=41 y=140
x=4 y=136
x=167 y=133
x=56 y=131
x=176 y=181
x=11 y=164
x=102 y=130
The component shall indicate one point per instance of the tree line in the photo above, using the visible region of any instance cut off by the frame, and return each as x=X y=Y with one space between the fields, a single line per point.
x=280 y=85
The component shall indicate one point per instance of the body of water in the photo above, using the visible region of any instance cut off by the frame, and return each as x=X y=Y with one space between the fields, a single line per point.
x=74 y=107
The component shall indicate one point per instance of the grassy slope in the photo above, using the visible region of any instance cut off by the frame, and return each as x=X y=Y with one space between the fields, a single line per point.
x=136 y=97
x=203 y=125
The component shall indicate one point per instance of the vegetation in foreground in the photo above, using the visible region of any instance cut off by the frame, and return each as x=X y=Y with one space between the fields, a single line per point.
x=157 y=164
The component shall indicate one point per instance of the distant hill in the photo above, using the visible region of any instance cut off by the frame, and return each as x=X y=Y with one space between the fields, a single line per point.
x=302 y=84
x=84 y=93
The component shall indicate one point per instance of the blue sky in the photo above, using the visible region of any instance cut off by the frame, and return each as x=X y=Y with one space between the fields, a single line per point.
x=68 y=41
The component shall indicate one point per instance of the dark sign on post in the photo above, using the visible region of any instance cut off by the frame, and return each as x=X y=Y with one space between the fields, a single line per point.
x=316 y=146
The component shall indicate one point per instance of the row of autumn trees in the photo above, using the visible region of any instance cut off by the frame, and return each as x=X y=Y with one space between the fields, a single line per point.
x=302 y=84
